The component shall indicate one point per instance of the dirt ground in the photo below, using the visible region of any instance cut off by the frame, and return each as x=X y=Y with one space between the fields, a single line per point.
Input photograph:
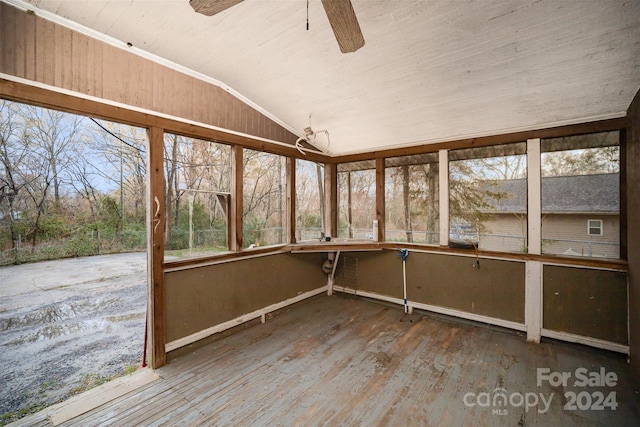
x=66 y=326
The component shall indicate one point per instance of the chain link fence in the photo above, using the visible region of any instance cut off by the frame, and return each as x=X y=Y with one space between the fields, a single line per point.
x=76 y=245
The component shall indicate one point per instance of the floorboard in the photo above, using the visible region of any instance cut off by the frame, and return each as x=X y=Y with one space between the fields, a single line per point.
x=348 y=361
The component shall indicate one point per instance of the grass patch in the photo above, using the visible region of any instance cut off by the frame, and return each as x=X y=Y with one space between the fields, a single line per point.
x=87 y=382
x=9 y=417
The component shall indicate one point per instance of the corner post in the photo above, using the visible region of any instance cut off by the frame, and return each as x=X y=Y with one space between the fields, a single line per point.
x=237 y=191
x=380 y=199
x=443 y=192
x=155 y=248
x=291 y=200
x=331 y=199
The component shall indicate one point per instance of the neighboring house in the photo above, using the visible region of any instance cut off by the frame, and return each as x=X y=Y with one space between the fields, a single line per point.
x=580 y=216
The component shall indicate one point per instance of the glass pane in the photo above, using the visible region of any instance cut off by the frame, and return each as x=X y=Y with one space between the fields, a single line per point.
x=309 y=200
x=197 y=188
x=356 y=200
x=264 y=199
x=581 y=182
x=488 y=197
x=412 y=199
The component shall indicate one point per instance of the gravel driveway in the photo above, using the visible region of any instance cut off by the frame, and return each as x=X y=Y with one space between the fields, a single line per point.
x=68 y=325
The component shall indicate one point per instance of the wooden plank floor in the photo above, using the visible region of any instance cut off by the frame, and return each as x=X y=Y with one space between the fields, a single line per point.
x=344 y=361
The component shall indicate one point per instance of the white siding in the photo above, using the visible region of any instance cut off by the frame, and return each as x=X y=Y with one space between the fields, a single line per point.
x=567 y=234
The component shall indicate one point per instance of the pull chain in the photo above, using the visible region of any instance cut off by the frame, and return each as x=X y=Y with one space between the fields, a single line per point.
x=307 y=15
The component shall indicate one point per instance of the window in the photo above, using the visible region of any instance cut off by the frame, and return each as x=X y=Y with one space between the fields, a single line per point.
x=594 y=227
x=412 y=199
x=488 y=197
x=309 y=200
x=356 y=200
x=264 y=199
x=69 y=185
x=197 y=189
x=581 y=183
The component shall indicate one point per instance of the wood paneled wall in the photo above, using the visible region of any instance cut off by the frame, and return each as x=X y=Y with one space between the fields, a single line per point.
x=495 y=290
x=633 y=230
x=39 y=50
x=202 y=297
x=585 y=302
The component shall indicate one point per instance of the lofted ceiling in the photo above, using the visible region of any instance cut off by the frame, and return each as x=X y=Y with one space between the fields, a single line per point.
x=430 y=71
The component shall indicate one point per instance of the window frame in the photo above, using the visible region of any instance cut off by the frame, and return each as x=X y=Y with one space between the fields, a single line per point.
x=589 y=227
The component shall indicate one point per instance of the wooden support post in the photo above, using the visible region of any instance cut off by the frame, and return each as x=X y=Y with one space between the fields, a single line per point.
x=623 y=194
x=533 y=300
x=534 y=199
x=291 y=199
x=331 y=199
x=155 y=248
x=237 y=172
x=380 y=199
x=349 y=209
x=443 y=184
x=533 y=275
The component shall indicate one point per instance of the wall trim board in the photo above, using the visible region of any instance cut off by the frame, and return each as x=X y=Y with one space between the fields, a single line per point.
x=188 y=264
x=583 y=267
x=342 y=249
x=597 y=264
x=190 y=339
x=466 y=254
x=579 y=339
x=435 y=309
x=309 y=247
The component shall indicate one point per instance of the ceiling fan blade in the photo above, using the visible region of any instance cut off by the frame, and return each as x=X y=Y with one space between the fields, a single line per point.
x=211 y=7
x=344 y=24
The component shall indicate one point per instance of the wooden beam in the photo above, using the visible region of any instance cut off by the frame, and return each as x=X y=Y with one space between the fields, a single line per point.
x=155 y=247
x=380 y=199
x=331 y=199
x=20 y=92
x=291 y=200
x=555 y=132
x=237 y=172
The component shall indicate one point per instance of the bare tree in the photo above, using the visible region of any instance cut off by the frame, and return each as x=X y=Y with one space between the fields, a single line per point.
x=14 y=153
x=53 y=134
x=588 y=161
x=121 y=151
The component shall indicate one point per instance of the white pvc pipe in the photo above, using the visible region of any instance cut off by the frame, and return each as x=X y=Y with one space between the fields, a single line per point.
x=404 y=280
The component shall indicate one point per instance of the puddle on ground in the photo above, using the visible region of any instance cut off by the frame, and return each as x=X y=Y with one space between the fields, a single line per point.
x=125 y=317
x=56 y=313
x=50 y=332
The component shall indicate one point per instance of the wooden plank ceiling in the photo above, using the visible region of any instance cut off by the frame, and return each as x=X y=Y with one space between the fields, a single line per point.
x=430 y=71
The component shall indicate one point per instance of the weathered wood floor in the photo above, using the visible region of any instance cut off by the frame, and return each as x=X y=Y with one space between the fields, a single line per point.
x=344 y=361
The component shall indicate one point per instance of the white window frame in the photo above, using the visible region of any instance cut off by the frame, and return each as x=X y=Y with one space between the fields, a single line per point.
x=589 y=227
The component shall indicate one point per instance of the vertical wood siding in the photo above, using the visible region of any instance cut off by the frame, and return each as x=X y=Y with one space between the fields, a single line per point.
x=42 y=51
x=633 y=230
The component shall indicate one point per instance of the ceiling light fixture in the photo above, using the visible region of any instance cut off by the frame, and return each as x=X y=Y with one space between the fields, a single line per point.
x=310 y=138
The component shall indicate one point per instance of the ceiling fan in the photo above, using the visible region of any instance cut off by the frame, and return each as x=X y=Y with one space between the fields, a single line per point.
x=341 y=16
